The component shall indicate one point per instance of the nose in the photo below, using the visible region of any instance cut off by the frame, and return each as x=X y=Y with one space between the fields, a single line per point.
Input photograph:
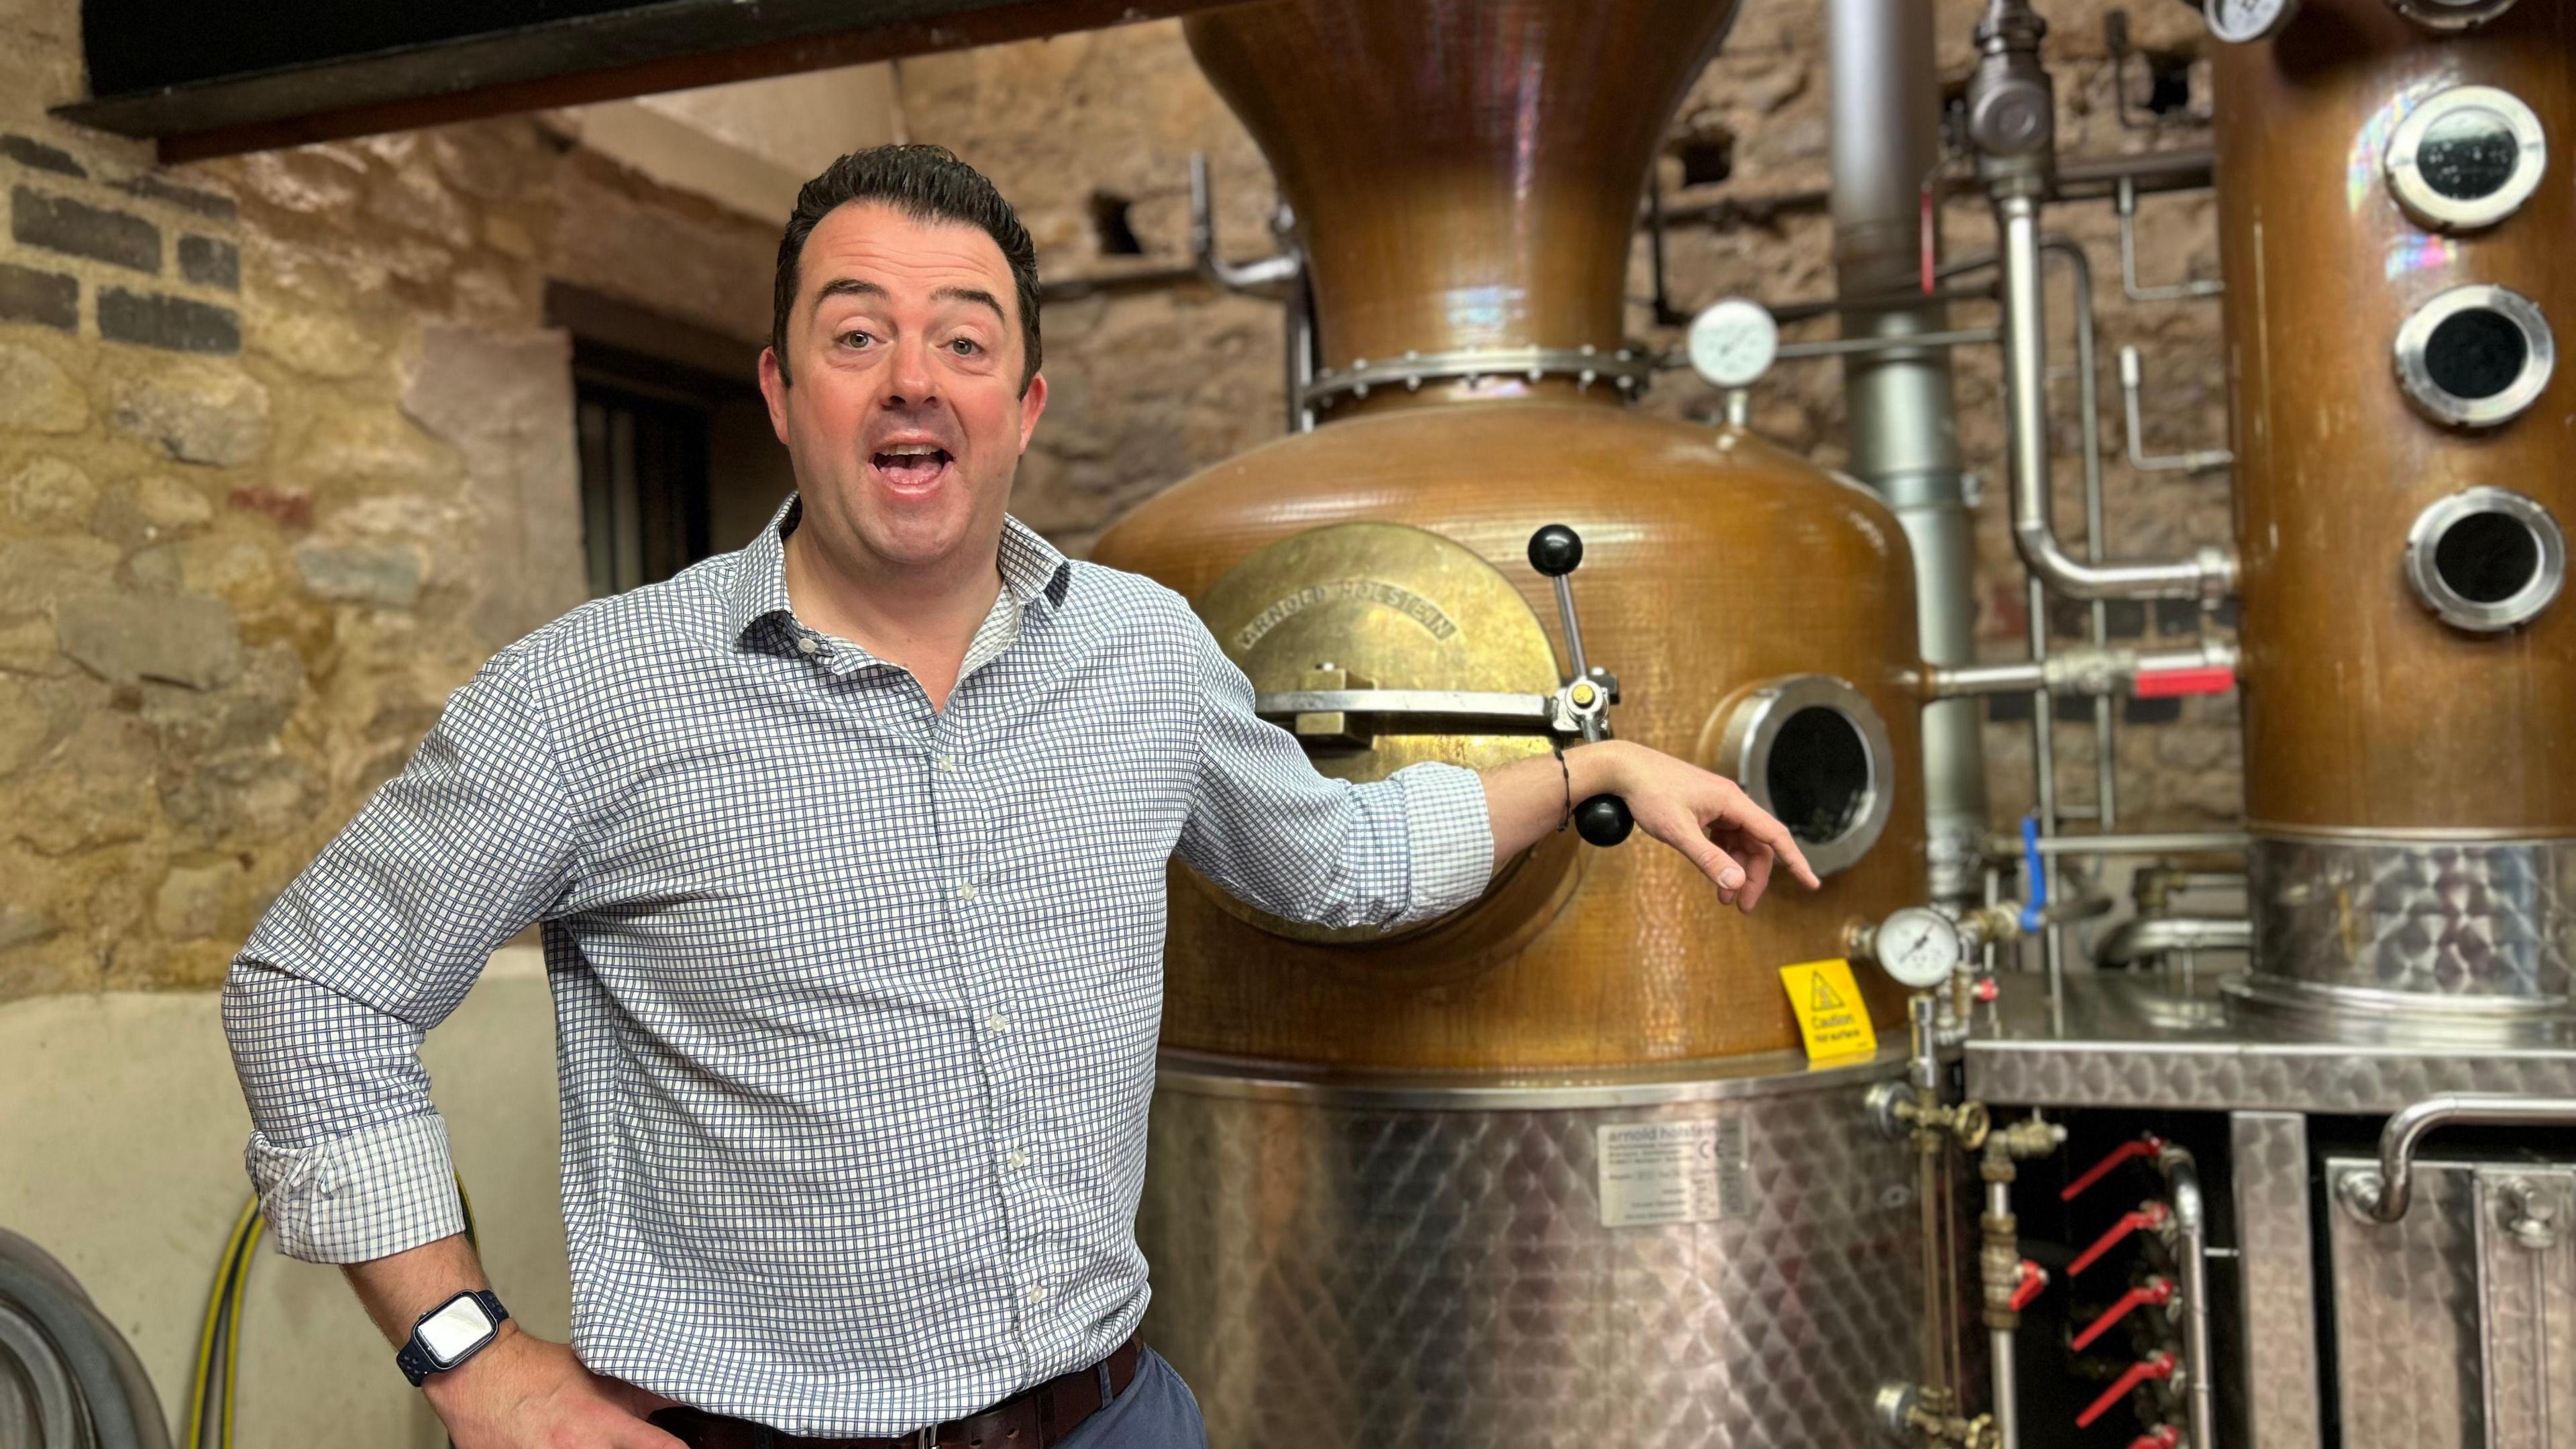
x=909 y=383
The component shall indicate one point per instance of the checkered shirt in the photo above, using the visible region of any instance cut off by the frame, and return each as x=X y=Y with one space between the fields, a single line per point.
x=856 y=1000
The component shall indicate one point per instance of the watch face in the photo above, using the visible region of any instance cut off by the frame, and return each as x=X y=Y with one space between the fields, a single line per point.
x=455 y=1330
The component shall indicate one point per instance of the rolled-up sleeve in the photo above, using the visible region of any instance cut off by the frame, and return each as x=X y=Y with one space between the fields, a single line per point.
x=372 y=946
x=1274 y=832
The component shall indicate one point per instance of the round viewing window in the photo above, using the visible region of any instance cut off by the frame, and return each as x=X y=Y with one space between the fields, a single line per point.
x=2486 y=559
x=1814 y=752
x=2475 y=356
x=2466 y=158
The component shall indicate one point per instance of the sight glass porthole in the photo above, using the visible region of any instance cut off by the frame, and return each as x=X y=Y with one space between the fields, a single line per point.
x=1814 y=752
x=2475 y=356
x=2466 y=158
x=2486 y=559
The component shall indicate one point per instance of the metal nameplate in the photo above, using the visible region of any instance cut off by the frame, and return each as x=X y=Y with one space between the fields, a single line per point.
x=1691 y=1171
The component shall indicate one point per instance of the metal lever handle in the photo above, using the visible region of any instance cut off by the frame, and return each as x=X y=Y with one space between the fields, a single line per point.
x=2156 y=1292
x=2152 y=1216
x=2147 y=1145
x=2033 y=1279
x=1556 y=551
x=2160 y=1365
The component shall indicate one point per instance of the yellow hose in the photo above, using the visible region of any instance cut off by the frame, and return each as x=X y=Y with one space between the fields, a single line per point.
x=224 y=1312
x=245 y=1230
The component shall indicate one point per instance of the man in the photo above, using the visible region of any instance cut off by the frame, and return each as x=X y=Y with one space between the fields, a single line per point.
x=849 y=850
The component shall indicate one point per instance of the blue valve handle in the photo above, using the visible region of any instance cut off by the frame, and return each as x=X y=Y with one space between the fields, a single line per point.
x=2034 y=879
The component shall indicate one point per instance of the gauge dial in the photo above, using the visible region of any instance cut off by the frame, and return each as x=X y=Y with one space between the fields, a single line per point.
x=2240 y=21
x=1920 y=947
x=1732 y=343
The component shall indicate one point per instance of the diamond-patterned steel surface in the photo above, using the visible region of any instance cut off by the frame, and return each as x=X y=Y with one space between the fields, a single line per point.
x=2138 y=1040
x=2269 y=1154
x=1329 y=1273
x=2406 y=1324
x=2492 y=921
x=2528 y=1291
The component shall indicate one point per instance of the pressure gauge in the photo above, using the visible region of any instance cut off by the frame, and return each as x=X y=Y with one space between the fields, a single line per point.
x=1919 y=946
x=1733 y=343
x=2240 y=21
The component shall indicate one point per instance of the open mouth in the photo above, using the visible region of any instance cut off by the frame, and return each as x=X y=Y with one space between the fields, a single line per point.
x=911 y=465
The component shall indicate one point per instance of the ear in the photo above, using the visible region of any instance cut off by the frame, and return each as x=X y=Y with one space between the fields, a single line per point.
x=773 y=391
x=1032 y=403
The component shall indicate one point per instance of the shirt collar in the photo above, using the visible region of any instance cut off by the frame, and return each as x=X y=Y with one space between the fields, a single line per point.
x=1032 y=570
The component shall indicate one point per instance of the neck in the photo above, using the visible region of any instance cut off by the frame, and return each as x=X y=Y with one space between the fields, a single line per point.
x=921 y=618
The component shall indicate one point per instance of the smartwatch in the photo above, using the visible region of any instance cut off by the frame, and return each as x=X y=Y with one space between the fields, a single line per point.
x=451 y=1333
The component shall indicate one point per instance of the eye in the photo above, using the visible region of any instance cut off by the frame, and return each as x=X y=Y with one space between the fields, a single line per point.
x=856 y=339
x=964 y=346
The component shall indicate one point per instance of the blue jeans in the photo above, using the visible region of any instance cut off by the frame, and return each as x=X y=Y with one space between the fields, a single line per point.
x=1158 y=1411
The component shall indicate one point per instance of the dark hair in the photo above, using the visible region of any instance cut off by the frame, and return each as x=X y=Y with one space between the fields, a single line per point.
x=926 y=182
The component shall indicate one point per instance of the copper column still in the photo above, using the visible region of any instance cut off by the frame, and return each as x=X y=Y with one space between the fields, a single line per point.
x=1548 y=1171
x=2397 y=198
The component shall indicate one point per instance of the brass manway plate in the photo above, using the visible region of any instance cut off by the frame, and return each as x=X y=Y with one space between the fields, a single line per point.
x=1393 y=607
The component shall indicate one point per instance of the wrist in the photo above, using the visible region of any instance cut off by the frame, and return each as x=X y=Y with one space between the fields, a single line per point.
x=1597 y=768
x=487 y=1360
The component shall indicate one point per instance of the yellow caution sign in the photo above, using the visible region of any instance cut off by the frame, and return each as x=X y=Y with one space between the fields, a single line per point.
x=1831 y=1015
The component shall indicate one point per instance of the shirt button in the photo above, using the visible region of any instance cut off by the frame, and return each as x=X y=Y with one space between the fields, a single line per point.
x=966 y=892
x=809 y=645
x=1037 y=1293
x=997 y=1023
x=947 y=761
x=1019 y=1159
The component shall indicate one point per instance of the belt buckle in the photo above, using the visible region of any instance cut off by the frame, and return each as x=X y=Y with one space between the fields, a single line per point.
x=925 y=1437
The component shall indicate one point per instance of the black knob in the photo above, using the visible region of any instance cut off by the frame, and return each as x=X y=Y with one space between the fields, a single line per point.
x=1603 y=820
x=1555 y=550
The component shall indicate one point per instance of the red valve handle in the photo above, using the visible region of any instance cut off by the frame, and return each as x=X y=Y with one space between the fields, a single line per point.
x=2162 y=1436
x=2146 y=1145
x=2156 y=1291
x=2152 y=1215
x=2158 y=1366
x=2033 y=1279
x=2174 y=683
x=1987 y=990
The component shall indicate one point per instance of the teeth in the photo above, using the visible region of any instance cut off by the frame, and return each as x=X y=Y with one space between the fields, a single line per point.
x=912 y=450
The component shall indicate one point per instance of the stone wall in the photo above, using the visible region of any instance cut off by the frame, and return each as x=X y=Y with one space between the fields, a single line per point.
x=285 y=440
x=1154 y=382
x=285 y=453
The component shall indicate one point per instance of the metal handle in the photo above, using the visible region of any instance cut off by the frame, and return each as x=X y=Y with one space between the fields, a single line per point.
x=2384 y=1196
x=2151 y=1216
x=2147 y=1145
x=1556 y=551
x=2154 y=1292
x=2159 y=1366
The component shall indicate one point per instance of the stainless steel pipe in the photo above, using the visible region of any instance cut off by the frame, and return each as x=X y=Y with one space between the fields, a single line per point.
x=2385 y=1195
x=1904 y=435
x=2191 y=1223
x=2209 y=575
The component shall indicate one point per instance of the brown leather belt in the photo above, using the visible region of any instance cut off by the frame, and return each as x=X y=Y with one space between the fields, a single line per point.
x=1031 y=1419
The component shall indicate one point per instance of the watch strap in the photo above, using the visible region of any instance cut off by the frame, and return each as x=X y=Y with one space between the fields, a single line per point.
x=414 y=1357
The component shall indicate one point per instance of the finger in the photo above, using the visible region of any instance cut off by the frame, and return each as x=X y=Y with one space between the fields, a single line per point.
x=1713 y=862
x=1758 y=862
x=1758 y=823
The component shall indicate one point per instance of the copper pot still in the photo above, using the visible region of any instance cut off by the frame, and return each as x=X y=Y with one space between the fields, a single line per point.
x=1529 y=1174
x=2397 y=186
x=1466 y=178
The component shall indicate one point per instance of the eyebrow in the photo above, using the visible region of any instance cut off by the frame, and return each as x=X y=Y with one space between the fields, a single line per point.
x=854 y=286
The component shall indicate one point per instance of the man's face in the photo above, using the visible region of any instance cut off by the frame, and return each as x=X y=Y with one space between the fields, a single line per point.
x=905 y=417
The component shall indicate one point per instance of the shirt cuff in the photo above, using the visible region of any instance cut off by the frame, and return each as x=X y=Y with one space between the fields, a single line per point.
x=1451 y=835
x=367 y=1195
